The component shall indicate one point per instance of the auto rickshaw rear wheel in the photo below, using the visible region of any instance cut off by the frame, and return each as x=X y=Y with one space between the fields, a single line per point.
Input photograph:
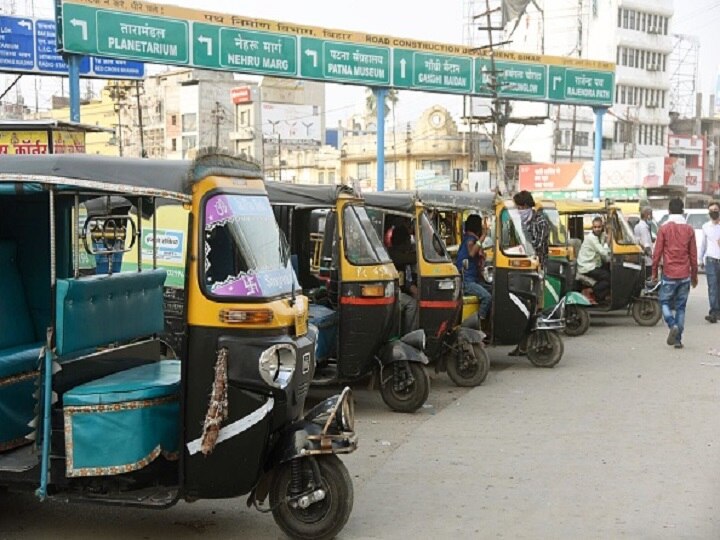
x=404 y=386
x=470 y=366
x=646 y=311
x=577 y=320
x=320 y=520
x=545 y=348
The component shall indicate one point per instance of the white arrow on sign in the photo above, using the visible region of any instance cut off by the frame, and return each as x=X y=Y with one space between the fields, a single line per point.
x=556 y=79
x=314 y=56
x=26 y=24
x=83 y=26
x=208 y=42
x=402 y=68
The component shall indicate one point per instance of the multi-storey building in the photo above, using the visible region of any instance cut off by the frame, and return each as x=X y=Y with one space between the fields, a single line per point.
x=636 y=35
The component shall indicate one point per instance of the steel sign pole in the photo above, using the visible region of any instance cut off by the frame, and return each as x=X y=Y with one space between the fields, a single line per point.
x=73 y=61
x=599 y=113
x=380 y=94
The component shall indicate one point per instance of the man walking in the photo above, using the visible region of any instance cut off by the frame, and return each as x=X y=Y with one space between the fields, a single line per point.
x=710 y=258
x=644 y=238
x=675 y=247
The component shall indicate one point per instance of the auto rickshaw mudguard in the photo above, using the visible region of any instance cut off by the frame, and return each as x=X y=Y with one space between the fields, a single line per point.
x=399 y=350
x=575 y=298
x=470 y=335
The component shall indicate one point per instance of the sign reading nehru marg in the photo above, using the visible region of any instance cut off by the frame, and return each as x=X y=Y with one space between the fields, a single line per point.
x=136 y=30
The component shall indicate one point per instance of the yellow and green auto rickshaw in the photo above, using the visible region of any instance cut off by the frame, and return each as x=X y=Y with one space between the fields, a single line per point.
x=512 y=272
x=354 y=287
x=559 y=272
x=94 y=408
x=436 y=287
x=628 y=287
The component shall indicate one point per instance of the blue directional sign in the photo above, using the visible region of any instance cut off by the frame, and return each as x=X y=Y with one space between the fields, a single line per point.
x=29 y=45
x=17 y=46
x=48 y=59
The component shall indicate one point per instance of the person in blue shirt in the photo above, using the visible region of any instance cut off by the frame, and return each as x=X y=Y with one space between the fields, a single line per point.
x=471 y=251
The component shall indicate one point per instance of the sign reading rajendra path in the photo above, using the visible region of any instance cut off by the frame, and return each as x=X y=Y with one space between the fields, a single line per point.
x=136 y=30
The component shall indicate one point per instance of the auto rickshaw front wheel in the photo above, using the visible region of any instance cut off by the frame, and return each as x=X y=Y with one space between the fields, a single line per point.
x=294 y=497
x=545 y=348
x=577 y=320
x=470 y=366
x=404 y=386
x=646 y=311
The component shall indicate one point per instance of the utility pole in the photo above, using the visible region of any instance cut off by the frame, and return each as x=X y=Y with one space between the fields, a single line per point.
x=218 y=116
x=579 y=49
x=118 y=94
x=143 y=153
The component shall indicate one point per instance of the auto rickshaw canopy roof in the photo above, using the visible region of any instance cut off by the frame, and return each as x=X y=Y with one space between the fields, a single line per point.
x=167 y=179
x=405 y=201
x=314 y=196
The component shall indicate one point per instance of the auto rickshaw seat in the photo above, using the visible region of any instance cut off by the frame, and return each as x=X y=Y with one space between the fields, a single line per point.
x=19 y=353
x=326 y=320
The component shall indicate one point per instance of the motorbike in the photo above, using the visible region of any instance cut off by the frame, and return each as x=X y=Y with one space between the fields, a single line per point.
x=95 y=408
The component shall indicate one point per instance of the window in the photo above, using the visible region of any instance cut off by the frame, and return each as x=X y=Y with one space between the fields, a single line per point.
x=622 y=233
x=189 y=122
x=626 y=14
x=619 y=23
x=631 y=20
x=363 y=171
x=433 y=249
x=243 y=118
x=173 y=145
x=440 y=166
x=581 y=138
x=331 y=177
x=362 y=244
x=173 y=120
x=243 y=242
x=512 y=237
x=189 y=142
x=321 y=177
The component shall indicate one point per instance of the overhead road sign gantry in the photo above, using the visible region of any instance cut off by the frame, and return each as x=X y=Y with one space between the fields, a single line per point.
x=133 y=29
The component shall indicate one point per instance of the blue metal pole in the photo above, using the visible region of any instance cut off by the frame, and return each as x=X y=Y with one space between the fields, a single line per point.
x=599 y=113
x=73 y=61
x=380 y=105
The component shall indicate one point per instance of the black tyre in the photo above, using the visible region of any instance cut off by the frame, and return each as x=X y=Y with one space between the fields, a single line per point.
x=323 y=519
x=577 y=320
x=647 y=311
x=469 y=367
x=412 y=396
x=545 y=348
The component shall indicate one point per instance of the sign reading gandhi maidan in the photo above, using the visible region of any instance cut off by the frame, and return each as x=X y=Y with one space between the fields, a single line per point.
x=136 y=30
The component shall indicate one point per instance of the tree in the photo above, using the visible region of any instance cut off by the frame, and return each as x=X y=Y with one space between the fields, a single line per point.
x=391 y=99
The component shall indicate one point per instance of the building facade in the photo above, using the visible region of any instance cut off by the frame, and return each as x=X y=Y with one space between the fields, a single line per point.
x=636 y=35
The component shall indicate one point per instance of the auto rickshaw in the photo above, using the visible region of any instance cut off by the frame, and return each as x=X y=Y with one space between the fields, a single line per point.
x=354 y=288
x=94 y=408
x=559 y=272
x=512 y=270
x=628 y=287
x=457 y=349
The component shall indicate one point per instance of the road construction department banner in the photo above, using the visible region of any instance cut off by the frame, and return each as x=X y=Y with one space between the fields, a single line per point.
x=23 y=142
x=617 y=174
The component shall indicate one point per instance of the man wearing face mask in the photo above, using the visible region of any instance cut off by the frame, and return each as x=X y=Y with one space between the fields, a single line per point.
x=710 y=258
x=644 y=238
x=593 y=257
x=534 y=224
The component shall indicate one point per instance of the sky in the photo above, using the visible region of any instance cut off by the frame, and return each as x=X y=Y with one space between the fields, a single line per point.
x=429 y=21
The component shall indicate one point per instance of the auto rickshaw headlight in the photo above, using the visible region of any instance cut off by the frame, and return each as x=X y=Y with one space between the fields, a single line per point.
x=446 y=285
x=277 y=365
x=376 y=290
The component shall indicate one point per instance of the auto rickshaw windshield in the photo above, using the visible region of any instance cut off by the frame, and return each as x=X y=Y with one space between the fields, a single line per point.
x=432 y=247
x=513 y=240
x=558 y=232
x=624 y=233
x=245 y=253
x=362 y=244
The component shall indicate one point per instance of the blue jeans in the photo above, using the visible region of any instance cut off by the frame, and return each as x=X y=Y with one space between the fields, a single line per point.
x=712 y=273
x=474 y=288
x=673 y=297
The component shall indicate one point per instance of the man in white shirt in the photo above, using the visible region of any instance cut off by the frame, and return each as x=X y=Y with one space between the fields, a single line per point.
x=593 y=257
x=644 y=238
x=710 y=259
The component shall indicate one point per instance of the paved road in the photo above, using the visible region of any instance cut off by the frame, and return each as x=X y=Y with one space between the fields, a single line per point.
x=620 y=440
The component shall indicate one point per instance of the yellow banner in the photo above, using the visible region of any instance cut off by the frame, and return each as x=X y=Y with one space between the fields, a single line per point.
x=68 y=142
x=176 y=12
x=23 y=142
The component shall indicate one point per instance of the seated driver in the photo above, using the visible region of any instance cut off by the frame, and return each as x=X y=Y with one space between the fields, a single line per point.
x=403 y=254
x=593 y=259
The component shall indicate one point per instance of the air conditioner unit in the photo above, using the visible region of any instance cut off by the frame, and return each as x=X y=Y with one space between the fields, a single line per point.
x=653 y=67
